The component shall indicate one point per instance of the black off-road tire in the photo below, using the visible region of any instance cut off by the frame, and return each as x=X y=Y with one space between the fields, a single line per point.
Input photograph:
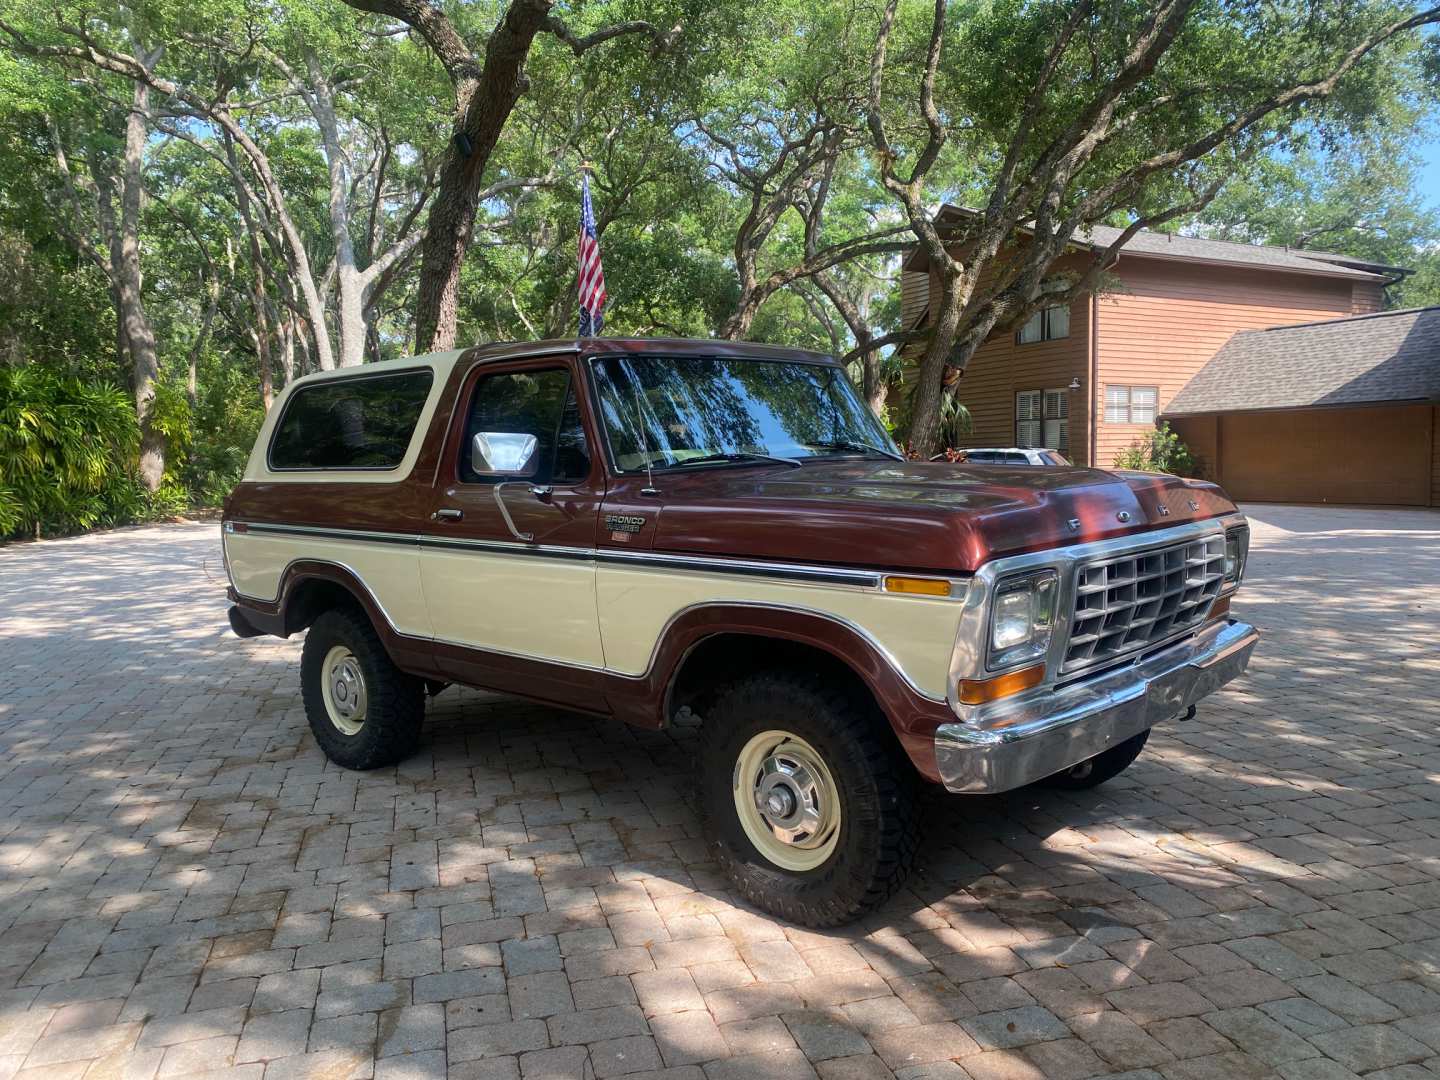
x=395 y=701
x=879 y=829
x=1103 y=766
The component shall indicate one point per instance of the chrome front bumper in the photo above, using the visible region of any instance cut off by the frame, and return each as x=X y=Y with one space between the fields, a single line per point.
x=1016 y=741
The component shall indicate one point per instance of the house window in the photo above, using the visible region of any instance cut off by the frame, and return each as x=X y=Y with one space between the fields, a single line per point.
x=1047 y=324
x=1042 y=419
x=1130 y=404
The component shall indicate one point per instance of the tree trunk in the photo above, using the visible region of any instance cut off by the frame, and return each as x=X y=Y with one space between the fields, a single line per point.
x=925 y=412
x=482 y=105
x=302 y=338
x=139 y=335
x=737 y=326
x=287 y=350
x=350 y=285
x=212 y=304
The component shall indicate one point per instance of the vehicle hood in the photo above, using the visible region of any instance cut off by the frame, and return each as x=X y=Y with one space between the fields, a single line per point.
x=934 y=516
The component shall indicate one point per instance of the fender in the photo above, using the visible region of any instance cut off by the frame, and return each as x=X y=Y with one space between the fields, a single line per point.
x=278 y=616
x=644 y=700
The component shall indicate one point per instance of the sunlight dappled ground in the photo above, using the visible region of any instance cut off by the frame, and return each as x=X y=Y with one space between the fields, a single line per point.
x=188 y=887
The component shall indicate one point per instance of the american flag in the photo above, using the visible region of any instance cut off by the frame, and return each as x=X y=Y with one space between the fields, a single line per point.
x=592 y=275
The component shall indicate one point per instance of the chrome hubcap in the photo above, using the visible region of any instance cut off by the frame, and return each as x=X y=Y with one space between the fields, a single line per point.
x=787 y=801
x=343 y=687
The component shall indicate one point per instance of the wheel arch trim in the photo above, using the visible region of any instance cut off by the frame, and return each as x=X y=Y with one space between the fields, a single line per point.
x=645 y=699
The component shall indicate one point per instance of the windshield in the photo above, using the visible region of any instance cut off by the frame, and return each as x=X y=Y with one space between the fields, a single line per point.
x=672 y=411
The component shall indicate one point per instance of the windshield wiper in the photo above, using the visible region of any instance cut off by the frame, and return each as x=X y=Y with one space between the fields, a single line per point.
x=735 y=457
x=857 y=447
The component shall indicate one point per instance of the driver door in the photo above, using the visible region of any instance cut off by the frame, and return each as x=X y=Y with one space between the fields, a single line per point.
x=507 y=558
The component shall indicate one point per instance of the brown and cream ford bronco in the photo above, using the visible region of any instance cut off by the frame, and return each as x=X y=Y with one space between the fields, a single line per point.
x=642 y=529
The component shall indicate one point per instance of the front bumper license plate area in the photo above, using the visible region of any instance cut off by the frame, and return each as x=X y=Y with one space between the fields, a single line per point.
x=1017 y=742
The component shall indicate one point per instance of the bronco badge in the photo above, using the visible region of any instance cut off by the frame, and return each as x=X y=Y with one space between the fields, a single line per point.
x=624 y=523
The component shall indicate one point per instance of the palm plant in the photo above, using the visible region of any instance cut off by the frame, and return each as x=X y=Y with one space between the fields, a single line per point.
x=67 y=453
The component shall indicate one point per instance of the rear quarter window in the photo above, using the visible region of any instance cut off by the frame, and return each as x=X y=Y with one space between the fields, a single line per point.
x=361 y=422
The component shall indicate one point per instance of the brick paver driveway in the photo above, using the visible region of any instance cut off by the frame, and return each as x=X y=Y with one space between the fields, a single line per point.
x=187 y=887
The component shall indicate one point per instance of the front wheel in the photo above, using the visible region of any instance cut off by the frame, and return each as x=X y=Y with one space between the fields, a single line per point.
x=364 y=711
x=808 y=804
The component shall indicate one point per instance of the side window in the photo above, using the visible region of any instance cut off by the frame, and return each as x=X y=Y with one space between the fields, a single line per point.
x=360 y=422
x=572 y=448
x=538 y=403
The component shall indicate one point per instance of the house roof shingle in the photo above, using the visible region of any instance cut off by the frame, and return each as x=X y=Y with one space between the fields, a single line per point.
x=1385 y=357
x=1200 y=249
x=1158 y=245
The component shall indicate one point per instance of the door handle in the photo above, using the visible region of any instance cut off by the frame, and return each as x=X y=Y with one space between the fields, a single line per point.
x=447 y=514
x=505 y=513
x=542 y=491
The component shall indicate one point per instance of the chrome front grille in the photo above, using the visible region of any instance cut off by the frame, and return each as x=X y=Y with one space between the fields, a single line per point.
x=1124 y=603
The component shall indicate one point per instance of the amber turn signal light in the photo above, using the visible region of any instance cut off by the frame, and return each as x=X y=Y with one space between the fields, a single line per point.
x=918 y=586
x=979 y=691
x=1220 y=608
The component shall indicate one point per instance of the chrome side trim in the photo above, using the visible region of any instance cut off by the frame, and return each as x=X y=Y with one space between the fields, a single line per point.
x=827 y=575
x=805 y=572
x=358 y=535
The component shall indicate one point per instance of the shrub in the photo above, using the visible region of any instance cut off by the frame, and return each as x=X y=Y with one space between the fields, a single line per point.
x=1162 y=451
x=67 y=454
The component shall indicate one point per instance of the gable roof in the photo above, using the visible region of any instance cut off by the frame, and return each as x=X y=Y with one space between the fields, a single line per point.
x=1384 y=357
x=1158 y=245
x=1200 y=249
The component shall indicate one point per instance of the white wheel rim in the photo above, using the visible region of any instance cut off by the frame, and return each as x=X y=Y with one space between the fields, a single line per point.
x=342 y=684
x=787 y=801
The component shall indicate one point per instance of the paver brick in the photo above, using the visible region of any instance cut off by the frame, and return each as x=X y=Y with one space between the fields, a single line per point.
x=492 y=1040
x=1158 y=1001
x=688 y=1037
x=900 y=1047
x=779 y=1065
x=274 y=1035
x=628 y=1055
x=1370 y=1047
x=596 y=1025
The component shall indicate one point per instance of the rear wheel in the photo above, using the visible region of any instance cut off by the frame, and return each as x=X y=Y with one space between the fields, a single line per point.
x=808 y=804
x=364 y=711
x=1103 y=766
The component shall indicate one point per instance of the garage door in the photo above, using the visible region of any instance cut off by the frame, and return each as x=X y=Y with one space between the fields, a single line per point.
x=1377 y=455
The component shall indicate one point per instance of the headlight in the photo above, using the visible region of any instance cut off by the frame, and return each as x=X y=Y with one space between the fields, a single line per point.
x=1237 y=545
x=1022 y=616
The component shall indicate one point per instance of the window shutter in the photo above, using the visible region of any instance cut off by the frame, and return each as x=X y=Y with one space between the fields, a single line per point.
x=1057 y=420
x=1027 y=418
x=1142 y=404
x=1117 y=404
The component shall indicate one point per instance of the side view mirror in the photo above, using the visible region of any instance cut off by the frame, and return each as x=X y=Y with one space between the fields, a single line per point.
x=503 y=453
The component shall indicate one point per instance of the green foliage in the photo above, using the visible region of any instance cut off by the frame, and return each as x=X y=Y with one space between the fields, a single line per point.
x=67 y=453
x=1160 y=451
x=225 y=421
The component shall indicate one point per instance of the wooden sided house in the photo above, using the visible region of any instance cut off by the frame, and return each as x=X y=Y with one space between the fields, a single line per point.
x=1276 y=365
